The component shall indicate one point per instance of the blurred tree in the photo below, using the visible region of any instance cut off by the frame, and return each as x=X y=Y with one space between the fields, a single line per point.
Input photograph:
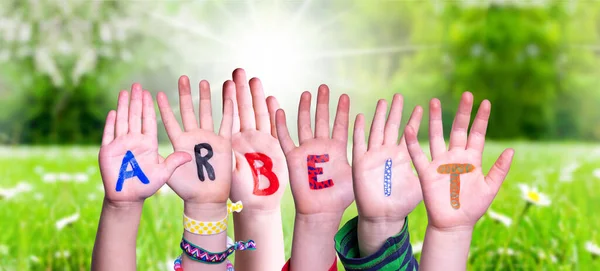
x=534 y=60
x=61 y=62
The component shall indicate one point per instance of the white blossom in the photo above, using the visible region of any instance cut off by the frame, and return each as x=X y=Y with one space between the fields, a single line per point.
x=507 y=221
x=592 y=248
x=532 y=195
x=62 y=223
x=3 y=249
x=417 y=248
x=63 y=254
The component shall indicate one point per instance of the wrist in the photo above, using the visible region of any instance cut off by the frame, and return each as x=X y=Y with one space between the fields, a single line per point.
x=446 y=248
x=325 y=223
x=250 y=215
x=372 y=233
x=205 y=211
x=122 y=206
x=454 y=230
x=320 y=218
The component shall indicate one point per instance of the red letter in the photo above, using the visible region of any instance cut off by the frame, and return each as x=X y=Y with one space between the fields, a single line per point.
x=313 y=171
x=266 y=170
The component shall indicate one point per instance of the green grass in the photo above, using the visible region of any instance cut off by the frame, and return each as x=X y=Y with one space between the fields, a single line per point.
x=27 y=221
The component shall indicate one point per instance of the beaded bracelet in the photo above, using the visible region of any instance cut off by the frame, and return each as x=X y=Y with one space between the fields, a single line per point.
x=177 y=265
x=210 y=228
x=198 y=254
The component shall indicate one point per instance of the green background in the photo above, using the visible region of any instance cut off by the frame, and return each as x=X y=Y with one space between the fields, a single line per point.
x=62 y=64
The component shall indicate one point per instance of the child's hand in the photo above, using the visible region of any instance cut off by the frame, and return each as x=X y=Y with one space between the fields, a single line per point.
x=321 y=177
x=458 y=194
x=207 y=178
x=385 y=187
x=260 y=175
x=129 y=160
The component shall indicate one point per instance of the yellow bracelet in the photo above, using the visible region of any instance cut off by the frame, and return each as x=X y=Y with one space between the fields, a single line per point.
x=210 y=228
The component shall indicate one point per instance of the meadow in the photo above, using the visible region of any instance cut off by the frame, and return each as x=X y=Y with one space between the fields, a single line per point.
x=544 y=218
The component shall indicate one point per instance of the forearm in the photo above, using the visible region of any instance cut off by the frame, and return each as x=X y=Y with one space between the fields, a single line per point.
x=313 y=239
x=115 y=244
x=265 y=228
x=207 y=212
x=373 y=233
x=446 y=249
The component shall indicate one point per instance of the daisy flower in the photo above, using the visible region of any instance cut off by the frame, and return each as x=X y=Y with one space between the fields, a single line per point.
x=62 y=223
x=592 y=248
x=533 y=196
x=507 y=221
x=62 y=254
x=507 y=251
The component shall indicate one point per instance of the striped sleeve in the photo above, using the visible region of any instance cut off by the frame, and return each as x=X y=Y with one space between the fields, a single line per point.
x=394 y=255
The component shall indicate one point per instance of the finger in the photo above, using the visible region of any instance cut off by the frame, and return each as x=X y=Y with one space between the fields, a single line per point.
x=499 y=170
x=261 y=114
x=148 y=115
x=414 y=122
x=244 y=101
x=135 y=109
x=476 y=139
x=322 y=113
x=376 y=134
x=460 y=126
x=437 y=145
x=122 y=125
x=283 y=134
x=173 y=161
x=272 y=106
x=304 y=129
x=341 y=123
x=186 y=106
x=229 y=93
x=167 y=116
x=359 y=147
x=206 y=118
x=109 y=128
x=227 y=121
x=414 y=150
x=393 y=122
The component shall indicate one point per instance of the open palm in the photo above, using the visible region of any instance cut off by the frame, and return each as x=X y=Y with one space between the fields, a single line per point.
x=375 y=201
x=195 y=140
x=475 y=191
x=260 y=175
x=130 y=139
x=318 y=151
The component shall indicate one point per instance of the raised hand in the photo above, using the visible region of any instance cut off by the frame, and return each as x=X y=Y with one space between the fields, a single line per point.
x=457 y=196
x=260 y=175
x=128 y=158
x=321 y=176
x=455 y=190
x=204 y=183
x=385 y=187
x=321 y=179
x=131 y=170
x=207 y=178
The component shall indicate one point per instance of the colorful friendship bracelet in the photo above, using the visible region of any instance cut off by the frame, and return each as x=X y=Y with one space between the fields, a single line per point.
x=210 y=228
x=177 y=265
x=198 y=254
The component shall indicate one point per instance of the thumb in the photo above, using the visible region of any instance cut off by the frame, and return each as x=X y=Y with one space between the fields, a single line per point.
x=175 y=160
x=500 y=169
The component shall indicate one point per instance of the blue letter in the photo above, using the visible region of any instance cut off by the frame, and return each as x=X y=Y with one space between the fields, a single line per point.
x=387 y=178
x=135 y=171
